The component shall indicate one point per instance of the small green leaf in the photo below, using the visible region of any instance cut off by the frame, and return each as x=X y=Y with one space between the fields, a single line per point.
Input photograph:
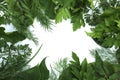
x=75 y=57
x=107 y=22
x=1 y=20
x=118 y=23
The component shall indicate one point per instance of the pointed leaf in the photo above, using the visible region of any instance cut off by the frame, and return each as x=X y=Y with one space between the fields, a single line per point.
x=44 y=72
x=75 y=57
x=84 y=65
x=99 y=65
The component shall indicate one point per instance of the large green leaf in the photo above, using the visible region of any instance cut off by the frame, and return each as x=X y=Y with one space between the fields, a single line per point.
x=115 y=76
x=90 y=75
x=84 y=65
x=44 y=72
x=49 y=7
x=75 y=71
x=99 y=65
x=66 y=74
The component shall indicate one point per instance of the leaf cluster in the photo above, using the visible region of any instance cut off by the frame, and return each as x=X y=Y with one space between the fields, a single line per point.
x=21 y=13
x=12 y=37
x=105 y=19
x=98 y=70
x=11 y=58
x=106 y=54
x=74 y=10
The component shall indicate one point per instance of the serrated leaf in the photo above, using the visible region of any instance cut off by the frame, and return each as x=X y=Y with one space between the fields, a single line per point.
x=77 y=21
x=63 y=13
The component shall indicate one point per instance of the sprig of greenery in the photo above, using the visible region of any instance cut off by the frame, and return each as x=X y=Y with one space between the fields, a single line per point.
x=11 y=57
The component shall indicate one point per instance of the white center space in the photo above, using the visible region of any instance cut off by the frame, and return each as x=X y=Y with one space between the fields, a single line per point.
x=60 y=42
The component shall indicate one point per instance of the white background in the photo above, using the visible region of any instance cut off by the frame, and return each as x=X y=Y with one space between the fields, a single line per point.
x=60 y=42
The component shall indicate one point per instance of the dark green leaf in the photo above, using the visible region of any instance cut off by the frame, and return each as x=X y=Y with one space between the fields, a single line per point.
x=66 y=74
x=99 y=65
x=84 y=65
x=44 y=72
x=90 y=75
x=75 y=57
x=115 y=76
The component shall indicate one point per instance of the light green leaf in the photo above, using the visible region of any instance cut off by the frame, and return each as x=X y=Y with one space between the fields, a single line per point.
x=77 y=21
x=63 y=13
x=118 y=23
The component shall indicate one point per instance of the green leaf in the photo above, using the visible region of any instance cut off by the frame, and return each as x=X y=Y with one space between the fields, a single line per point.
x=66 y=74
x=84 y=65
x=44 y=72
x=63 y=13
x=1 y=20
x=108 y=12
x=75 y=71
x=65 y=3
x=107 y=22
x=116 y=67
x=49 y=8
x=77 y=21
x=101 y=79
x=90 y=73
x=91 y=4
x=29 y=74
x=75 y=57
x=99 y=65
x=115 y=76
x=108 y=68
x=14 y=37
x=118 y=23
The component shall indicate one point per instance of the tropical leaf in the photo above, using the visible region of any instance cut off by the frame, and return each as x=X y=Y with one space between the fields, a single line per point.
x=44 y=72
